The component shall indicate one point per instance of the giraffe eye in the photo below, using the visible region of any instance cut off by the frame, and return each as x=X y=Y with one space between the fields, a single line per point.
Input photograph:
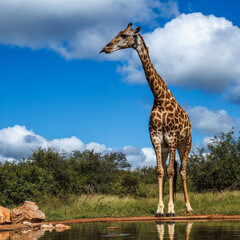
x=124 y=36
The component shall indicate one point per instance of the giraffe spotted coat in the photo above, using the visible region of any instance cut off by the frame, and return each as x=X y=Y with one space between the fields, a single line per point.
x=169 y=125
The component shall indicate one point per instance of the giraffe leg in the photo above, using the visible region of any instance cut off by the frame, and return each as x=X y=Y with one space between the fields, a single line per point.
x=160 y=229
x=188 y=229
x=183 y=153
x=171 y=172
x=165 y=153
x=171 y=228
x=157 y=139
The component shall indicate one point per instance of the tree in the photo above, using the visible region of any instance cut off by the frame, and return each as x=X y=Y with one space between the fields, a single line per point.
x=92 y=170
x=54 y=162
x=220 y=168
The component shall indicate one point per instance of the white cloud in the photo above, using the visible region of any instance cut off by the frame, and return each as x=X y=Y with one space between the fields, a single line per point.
x=100 y=148
x=192 y=50
x=150 y=156
x=68 y=144
x=139 y=157
x=18 y=142
x=74 y=28
x=208 y=121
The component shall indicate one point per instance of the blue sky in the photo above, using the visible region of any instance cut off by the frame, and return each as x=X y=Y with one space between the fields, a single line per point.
x=56 y=90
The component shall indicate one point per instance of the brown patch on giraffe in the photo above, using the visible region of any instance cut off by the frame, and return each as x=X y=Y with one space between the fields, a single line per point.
x=169 y=120
x=170 y=108
x=167 y=95
x=158 y=115
x=182 y=115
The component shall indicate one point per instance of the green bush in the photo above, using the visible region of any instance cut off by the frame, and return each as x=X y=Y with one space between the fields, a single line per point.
x=220 y=168
x=50 y=173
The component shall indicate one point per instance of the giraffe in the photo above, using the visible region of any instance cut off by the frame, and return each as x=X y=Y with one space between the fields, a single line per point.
x=169 y=125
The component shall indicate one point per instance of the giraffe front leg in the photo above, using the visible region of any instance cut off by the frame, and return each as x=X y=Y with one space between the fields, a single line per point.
x=160 y=209
x=171 y=173
x=157 y=139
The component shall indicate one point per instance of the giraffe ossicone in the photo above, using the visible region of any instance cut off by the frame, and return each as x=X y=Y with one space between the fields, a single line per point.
x=169 y=125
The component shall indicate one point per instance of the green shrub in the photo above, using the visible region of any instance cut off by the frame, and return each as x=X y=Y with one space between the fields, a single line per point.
x=220 y=168
x=51 y=173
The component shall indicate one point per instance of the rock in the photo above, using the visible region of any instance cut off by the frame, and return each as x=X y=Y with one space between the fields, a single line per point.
x=29 y=212
x=47 y=227
x=28 y=224
x=4 y=235
x=61 y=227
x=4 y=215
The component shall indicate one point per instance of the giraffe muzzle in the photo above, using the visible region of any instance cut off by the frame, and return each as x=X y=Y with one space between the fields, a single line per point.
x=106 y=49
x=103 y=50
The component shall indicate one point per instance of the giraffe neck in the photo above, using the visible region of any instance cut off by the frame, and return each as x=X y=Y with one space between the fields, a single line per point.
x=155 y=82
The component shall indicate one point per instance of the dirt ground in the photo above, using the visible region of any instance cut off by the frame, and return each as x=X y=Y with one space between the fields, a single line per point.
x=12 y=227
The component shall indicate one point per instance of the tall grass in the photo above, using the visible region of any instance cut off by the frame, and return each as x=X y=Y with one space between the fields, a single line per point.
x=93 y=206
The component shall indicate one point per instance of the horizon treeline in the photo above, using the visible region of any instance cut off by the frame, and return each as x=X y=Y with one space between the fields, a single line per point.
x=50 y=172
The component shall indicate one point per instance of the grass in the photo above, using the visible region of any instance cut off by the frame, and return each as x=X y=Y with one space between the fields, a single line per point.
x=93 y=206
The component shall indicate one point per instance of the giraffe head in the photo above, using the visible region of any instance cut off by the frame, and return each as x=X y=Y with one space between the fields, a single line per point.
x=125 y=39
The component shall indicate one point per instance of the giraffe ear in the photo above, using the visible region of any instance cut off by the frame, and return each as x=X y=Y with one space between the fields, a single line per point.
x=137 y=30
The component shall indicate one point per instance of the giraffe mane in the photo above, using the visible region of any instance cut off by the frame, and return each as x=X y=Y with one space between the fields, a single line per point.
x=144 y=44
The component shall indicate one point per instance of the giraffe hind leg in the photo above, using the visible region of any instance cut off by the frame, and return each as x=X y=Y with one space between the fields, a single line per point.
x=171 y=172
x=165 y=152
x=184 y=151
x=171 y=140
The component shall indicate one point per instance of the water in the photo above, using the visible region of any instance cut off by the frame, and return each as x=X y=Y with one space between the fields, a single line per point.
x=141 y=230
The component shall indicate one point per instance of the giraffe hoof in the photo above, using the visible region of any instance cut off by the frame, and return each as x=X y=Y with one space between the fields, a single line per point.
x=170 y=214
x=159 y=214
x=190 y=213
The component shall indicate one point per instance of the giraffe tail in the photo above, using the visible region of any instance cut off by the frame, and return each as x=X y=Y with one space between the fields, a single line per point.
x=175 y=178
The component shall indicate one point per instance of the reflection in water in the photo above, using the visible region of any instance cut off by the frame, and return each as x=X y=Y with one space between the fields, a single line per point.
x=188 y=229
x=26 y=234
x=135 y=230
x=171 y=228
x=160 y=228
x=32 y=233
